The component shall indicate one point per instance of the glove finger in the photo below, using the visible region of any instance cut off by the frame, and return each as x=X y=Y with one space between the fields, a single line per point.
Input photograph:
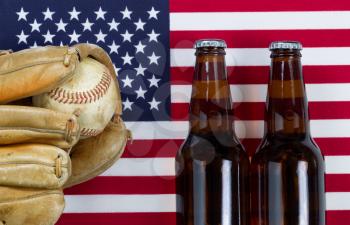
x=34 y=166
x=23 y=124
x=35 y=71
x=19 y=206
x=92 y=156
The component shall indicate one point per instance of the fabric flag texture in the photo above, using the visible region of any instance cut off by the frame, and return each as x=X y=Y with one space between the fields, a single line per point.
x=150 y=42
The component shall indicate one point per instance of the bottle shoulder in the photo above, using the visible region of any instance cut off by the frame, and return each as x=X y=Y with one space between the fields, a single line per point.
x=291 y=150
x=194 y=146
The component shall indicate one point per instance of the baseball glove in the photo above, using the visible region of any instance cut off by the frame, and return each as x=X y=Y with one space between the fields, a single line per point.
x=41 y=150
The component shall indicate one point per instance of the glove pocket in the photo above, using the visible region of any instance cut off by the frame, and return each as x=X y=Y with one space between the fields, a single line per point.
x=34 y=166
x=93 y=156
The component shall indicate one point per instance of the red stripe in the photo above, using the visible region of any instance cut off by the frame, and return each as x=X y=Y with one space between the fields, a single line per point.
x=329 y=146
x=338 y=217
x=260 y=74
x=262 y=38
x=151 y=148
x=338 y=183
x=125 y=185
x=166 y=185
x=256 y=5
x=118 y=219
x=333 y=218
x=255 y=110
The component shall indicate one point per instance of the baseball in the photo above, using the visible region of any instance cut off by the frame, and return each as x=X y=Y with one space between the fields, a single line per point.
x=91 y=91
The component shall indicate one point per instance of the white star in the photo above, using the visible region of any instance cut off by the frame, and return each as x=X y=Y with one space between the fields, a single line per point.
x=127 y=104
x=61 y=44
x=139 y=47
x=87 y=25
x=153 y=81
x=61 y=26
x=127 y=81
x=126 y=13
x=153 y=13
x=35 y=45
x=139 y=25
x=153 y=36
x=100 y=36
x=48 y=14
x=140 y=70
x=127 y=59
x=153 y=59
x=154 y=104
x=22 y=37
x=100 y=14
x=127 y=36
x=74 y=14
x=35 y=26
x=22 y=15
x=74 y=37
x=140 y=93
x=113 y=25
x=116 y=69
x=114 y=48
x=48 y=37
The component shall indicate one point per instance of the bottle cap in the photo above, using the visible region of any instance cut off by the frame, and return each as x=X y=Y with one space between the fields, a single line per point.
x=292 y=45
x=216 y=43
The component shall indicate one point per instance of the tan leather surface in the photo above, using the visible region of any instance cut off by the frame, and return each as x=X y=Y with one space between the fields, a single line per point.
x=23 y=124
x=34 y=165
x=21 y=206
x=92 y=156
x=96 y=52
x=34 y=71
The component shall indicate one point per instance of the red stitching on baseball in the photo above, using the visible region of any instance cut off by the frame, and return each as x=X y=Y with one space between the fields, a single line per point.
x=89 y=132
x=69 y=97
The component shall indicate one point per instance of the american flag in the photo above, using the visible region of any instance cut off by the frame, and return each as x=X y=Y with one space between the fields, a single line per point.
x=150 y=42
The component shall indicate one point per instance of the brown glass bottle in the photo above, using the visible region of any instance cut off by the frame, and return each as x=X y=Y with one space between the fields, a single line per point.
x=212 y=166
x=287 y=171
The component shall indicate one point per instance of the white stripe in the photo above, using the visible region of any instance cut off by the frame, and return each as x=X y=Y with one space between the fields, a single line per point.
x=338 y=201
x=337 y=164
x=257 y=92
x=120 y=203
x=244 y=129
x=142 y=167
x=159 y=203
x=261 y=56
x=166 y=166
x=259 y=20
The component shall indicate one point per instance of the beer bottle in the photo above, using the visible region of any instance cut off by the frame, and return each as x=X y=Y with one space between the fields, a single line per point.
x=287 y=171
x=212 y=166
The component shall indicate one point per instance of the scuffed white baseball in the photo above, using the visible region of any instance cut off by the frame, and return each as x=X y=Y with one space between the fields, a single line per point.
x=91 y=91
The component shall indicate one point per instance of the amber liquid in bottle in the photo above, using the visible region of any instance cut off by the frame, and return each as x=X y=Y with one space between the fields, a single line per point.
x=212 y=166
x=287 y=171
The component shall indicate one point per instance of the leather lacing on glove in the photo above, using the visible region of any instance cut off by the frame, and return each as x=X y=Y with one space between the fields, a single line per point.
x=58 y=168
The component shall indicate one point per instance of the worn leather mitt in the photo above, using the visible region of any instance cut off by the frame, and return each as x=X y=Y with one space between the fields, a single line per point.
x=41 y=151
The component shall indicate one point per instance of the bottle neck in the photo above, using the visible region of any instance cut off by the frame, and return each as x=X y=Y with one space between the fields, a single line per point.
x=211 y=105
x=286 y=114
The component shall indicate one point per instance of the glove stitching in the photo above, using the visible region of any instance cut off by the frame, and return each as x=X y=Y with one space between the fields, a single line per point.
x=4 y=72
x=34 y=129
x=33 y=163
x=33 y=196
